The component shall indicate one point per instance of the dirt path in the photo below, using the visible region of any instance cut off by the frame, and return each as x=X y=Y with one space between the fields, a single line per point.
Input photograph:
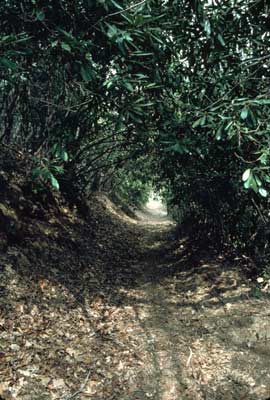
x=118 y=309
x=203 y=335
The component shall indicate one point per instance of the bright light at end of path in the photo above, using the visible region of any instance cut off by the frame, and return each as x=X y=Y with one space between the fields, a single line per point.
x=155 y=206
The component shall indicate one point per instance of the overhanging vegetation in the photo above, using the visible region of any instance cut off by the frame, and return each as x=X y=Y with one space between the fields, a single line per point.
x=117 y=95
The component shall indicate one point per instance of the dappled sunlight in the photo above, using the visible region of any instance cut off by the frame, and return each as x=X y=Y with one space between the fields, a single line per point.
x=170 y=320
x=134 y=200
x=196 y=318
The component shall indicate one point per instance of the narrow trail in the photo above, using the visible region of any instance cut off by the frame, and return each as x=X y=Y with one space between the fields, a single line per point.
x=131 y=312
x=201 y=334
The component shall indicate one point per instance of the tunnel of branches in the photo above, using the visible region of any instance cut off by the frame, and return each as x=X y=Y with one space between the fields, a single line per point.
x=129 y=97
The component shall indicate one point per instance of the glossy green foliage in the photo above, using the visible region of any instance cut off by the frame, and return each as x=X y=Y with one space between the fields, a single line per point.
x=82 y=75
x=180 y=86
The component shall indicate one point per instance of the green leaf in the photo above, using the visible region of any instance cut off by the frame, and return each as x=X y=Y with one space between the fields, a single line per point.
x=230 y=124
x=8 y=64
x=253 y=118
x=64 y=156
x=128 y=86
x=85 y=73
x=177 y=148
x=263 y=192
x=152 y=86
x=88 y=56
x=244 y=113
x=221 y=40
x=199 y=122
x=36 y=172
x=46 y=173
x=112 y=31
x=135 y=118
x=247 y=184
x=141 y=54
x=127 y=18
x=207 y=27
x=141 y=76
x=157 y=39
x=251 y=183
x=116 y=5
x=58 y=169
x=259 y=182
x=219 y=133
x=261 y=101
x=246 y=174
x=40 y=16
x=67 y=34
x=267 y=178
x=54 y=182
x=66 y=46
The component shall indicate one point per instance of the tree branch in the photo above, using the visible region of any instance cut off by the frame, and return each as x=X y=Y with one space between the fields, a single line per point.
x=126 y=9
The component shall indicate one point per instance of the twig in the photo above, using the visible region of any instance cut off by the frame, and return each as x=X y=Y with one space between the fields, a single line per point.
x=264 y=220
x=49 y=103
x=117 y=13
x=230 y=91
x=256 y=58
x=126 y=9
x=190 y=357
x=12 y=148
x=72 y=396
x=246 y=161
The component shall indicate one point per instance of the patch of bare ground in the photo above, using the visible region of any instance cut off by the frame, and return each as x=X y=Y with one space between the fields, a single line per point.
x=110 y=308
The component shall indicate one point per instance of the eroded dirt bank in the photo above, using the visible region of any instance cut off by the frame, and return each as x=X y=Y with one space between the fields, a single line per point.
x=108 y=307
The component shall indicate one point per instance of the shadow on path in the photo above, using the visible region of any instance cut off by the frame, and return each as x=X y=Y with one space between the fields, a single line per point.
x=150 y=315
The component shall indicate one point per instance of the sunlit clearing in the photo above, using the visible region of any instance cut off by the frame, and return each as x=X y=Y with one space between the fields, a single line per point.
x=155 y=205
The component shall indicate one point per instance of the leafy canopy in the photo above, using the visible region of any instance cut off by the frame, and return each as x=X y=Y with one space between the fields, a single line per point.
x=177 y=89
